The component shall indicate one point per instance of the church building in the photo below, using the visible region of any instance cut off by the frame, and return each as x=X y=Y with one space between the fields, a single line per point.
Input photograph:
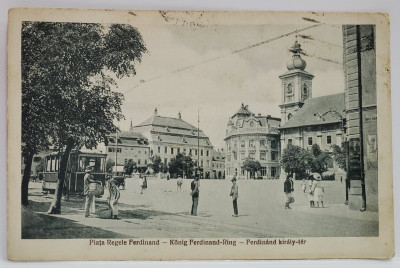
x=306 y=120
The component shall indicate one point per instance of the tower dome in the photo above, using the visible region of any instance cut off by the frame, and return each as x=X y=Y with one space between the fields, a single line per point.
x=296 y=62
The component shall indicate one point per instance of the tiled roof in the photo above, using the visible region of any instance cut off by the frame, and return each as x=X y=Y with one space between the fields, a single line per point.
x=177 y=139
x=128 y=138
x=306 y=115
x=157 y=120
x=271 y=121
x=131 y=135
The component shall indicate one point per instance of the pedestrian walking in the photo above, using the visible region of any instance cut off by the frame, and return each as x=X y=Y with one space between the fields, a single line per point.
x=235 y=196
x=318 y=190
x=114 y=195
x=288 y=189
x=143 y=184
x=310 y=190
x=179 y=183
x=304 y=185
x=195 y=195
x=89 y=191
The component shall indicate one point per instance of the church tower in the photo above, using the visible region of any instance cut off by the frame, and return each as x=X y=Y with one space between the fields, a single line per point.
x=296 y=85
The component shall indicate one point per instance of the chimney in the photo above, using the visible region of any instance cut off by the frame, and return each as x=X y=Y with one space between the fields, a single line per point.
x=259 y=114
x=179 y=115
x=155 y=111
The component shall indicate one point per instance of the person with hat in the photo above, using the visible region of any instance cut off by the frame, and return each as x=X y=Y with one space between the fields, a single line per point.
x=235 y=196
x=194 y=186
x=114 y=195
x=288 y=189
x=88 y=191
x=318 y=190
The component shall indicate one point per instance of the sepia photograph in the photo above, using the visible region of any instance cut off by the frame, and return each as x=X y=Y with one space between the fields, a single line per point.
x=170 y=130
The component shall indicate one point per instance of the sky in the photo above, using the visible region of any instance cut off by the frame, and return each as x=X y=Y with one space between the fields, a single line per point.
x=218 y=87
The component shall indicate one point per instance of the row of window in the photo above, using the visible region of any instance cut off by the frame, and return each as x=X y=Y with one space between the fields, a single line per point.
x=311 y=142
x=177 y=150
x=217 y=165
x=290 y=93
x=252 y=155
x=252 y=144
x=112 y=140
x=139 y=161
x=126 y=149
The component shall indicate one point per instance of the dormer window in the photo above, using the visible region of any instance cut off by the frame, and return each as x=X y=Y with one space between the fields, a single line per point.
x=252 y=124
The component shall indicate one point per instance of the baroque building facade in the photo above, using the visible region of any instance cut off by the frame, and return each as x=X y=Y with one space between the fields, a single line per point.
x=307 y=120
x=255 y=137
x=168 y=136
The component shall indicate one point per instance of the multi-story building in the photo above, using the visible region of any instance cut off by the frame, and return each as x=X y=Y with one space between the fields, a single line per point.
x=252 y=136
x=131 y=145
x=169 y=136
x=218 y=164
x=306 y=120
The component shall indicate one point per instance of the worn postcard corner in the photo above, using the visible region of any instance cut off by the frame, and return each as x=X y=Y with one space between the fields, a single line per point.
x=190 y=135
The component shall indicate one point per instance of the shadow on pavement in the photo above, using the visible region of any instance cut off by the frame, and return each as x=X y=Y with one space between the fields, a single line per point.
x=42 y=226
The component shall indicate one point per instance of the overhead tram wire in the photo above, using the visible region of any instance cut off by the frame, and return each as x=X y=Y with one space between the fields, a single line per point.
x=225 y=55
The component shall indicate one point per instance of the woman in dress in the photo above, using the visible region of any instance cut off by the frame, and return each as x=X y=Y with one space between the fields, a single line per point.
x=310 y=191
x=318 y=190
x=113 y=198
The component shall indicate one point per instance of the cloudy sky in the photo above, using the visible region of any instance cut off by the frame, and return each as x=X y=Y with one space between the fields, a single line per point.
x=217 y=81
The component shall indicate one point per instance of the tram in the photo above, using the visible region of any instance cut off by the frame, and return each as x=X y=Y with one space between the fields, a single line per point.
x=77 y=163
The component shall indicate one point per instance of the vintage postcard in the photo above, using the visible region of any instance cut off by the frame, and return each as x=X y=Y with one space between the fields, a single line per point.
x=166 y=135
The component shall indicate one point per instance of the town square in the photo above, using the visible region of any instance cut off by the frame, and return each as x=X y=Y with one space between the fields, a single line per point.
x=204 y=134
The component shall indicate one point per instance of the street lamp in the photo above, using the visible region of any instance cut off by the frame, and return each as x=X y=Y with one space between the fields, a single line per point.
x=333 y=111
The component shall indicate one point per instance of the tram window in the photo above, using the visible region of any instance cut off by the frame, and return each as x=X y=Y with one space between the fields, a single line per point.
x=48 y=168
x=96 y=163
x=53 y=164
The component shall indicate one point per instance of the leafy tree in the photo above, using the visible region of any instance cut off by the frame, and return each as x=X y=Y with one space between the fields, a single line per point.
x=71 y=65
x=296 y=160
x=320 y=160
x=110 y=165
x=35 y=114
x=163 y=168
x=155 y=164
x=181 y=164
x=251 y=166
x=339 y=154
x=130 y=166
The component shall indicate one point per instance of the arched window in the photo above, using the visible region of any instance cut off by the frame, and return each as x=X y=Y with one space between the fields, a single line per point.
x=289 y=92
x=252 y=124
x=304 y=93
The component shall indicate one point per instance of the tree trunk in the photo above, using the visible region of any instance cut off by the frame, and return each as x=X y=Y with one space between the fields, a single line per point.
x=28 y=157
x=55 y=207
